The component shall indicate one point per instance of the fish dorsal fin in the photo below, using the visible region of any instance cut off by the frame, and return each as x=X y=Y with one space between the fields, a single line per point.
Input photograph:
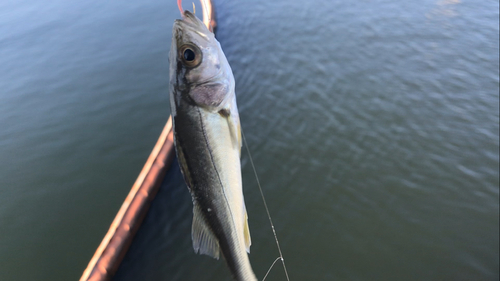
x=246 y=233
x=204 y=240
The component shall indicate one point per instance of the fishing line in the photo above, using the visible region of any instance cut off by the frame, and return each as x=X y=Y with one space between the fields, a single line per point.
x=267 y=210
x=269 y=270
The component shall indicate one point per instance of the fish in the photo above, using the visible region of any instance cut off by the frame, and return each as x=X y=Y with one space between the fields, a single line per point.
x=207 y=140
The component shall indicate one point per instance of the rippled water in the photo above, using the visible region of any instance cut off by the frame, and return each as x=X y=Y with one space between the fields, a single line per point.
x=374 y=126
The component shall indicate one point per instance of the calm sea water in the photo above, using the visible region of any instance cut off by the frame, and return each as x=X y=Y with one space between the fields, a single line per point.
x=374 y=126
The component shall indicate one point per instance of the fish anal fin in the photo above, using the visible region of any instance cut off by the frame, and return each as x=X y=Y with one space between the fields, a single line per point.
x=246 y=234
x=204 y=240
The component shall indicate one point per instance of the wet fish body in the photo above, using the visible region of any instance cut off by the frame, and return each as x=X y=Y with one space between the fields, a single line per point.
x=208 y=142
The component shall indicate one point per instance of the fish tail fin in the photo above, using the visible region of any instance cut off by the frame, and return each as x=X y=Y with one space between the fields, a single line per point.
x=204 y=240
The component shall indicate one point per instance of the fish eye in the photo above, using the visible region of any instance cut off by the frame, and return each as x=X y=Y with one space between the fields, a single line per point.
x=190 y=55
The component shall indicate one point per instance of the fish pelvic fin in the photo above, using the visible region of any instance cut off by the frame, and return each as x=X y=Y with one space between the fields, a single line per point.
x=246 y=234
x=204 y=240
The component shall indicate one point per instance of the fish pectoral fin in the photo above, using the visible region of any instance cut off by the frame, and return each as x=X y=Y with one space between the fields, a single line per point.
x=235 y=130
x=246 y=234
x=204 y=240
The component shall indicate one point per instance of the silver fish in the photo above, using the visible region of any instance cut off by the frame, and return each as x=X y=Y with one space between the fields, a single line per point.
x=208 y=143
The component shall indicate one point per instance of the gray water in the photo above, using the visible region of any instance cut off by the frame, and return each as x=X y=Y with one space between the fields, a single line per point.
x=374 y=127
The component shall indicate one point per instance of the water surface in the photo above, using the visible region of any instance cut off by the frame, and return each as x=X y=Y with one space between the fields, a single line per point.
x=374 y=126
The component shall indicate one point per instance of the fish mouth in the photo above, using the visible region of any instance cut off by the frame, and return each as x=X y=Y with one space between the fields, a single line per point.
x=190 y=23
x=190 y=18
